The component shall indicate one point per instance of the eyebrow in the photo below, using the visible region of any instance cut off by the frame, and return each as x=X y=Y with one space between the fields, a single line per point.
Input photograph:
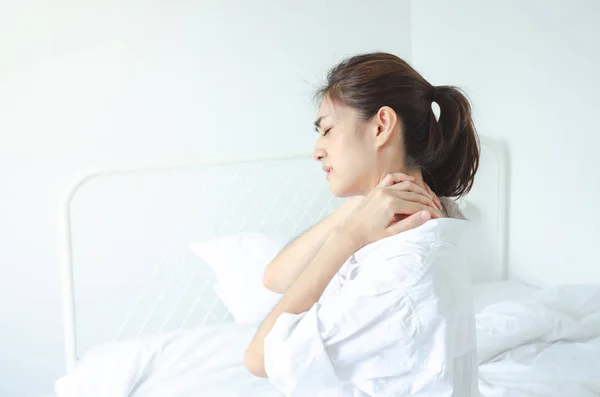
x=318 y=123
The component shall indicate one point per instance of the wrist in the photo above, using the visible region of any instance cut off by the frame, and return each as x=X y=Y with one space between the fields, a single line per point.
x=337 y=217
x=346 y=239
x=343 y=212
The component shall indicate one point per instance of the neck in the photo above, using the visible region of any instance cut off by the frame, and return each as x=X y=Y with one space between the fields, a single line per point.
x=416 y=173
x=375 y=181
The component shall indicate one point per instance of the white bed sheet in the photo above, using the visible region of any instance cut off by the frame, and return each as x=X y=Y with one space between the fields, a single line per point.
x=485 y=294
x=206 y=361
x=530 y=343
x=535 y=343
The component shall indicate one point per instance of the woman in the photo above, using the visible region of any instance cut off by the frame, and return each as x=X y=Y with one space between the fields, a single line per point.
x=376 y=297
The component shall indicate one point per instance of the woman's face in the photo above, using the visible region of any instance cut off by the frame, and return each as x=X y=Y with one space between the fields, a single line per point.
x=346 y=150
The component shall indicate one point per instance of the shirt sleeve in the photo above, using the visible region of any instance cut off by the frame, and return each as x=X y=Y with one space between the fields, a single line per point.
x=364 y=332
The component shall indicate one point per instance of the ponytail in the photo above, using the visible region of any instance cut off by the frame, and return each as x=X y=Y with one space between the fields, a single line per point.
x=451 y=157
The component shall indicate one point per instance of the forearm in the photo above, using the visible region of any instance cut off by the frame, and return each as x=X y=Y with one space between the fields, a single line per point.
x=303 y=293
x=281 y=272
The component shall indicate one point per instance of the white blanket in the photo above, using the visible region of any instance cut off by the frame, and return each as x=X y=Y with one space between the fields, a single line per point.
x=547 y=345
x=543 y=345
x=207 y=361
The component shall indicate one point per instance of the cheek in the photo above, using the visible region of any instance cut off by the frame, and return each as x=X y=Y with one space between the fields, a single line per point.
x=358 y=158
x=353 y=170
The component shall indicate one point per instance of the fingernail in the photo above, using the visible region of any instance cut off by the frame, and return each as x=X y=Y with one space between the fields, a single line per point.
x=425 y=215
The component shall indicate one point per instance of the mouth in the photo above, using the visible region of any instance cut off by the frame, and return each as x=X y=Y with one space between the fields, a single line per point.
x=327 y=171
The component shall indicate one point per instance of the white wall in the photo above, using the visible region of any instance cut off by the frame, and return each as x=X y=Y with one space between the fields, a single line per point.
x=532 y=70
x=106 y=83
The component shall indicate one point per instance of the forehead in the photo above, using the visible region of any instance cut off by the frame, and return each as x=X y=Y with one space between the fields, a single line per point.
x=333 y=110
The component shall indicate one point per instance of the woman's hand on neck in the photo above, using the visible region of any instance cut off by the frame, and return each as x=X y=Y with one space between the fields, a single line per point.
x=416 y=173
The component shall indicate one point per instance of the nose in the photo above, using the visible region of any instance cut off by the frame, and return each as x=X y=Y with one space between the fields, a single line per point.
x=318 y=153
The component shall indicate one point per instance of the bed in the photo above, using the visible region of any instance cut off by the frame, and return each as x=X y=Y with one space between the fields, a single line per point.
x=146 y=311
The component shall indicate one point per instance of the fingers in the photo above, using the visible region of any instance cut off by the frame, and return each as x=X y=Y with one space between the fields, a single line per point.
x=412 y=198
x=396 y=177
x=435 y=197
x=415 y=197
x=405 y=207
x=413 y=187
x=403 y=181
x=407 y=203
x=395 y=203
x=411 y=222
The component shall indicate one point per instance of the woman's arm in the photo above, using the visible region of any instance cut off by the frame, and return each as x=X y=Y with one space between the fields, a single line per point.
x=372 y=220
x=305 y=290
x=281 y=272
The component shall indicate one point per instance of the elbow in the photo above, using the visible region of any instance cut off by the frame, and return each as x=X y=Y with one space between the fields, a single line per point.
x=255 y=362
x=270 y=283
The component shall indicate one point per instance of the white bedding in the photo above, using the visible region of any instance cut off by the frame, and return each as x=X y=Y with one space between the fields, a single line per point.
x=546 y=343
x=530 y=343
x=207 y=361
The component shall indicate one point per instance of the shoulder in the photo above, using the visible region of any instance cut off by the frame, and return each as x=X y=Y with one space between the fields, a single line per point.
x=390 y=275
x=420 y=267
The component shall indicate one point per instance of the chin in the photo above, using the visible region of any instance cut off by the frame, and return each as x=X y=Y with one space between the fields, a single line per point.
x=334 y=190
x=342 y=191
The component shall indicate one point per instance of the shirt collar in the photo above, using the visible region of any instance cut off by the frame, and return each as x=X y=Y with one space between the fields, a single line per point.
x=444 y=229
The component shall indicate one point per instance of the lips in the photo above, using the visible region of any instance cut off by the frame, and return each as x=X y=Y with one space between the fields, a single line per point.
x=327 y=169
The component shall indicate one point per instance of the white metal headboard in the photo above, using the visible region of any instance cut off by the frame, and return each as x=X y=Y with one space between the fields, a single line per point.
x=125 y=235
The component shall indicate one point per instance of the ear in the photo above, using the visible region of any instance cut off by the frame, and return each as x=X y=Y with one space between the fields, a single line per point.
x=384 y=121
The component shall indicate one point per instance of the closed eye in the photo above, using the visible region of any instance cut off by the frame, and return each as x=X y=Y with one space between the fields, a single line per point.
x=326 y=131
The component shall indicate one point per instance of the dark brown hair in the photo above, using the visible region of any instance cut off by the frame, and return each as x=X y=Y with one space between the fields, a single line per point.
x=446 y=150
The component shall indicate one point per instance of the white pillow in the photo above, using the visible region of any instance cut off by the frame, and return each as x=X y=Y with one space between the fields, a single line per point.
x=486 y=294
x=239 y=261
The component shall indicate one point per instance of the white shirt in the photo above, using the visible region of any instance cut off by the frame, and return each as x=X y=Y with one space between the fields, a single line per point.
x=397 y=320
